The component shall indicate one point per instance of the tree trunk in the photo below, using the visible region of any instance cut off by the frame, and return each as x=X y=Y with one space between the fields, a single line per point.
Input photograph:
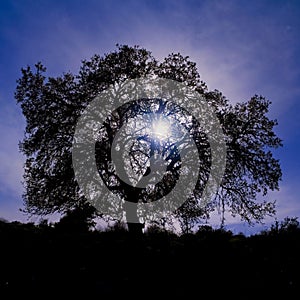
x=134 y=226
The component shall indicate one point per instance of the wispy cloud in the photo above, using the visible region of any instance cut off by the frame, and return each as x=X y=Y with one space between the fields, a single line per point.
x=11 y=169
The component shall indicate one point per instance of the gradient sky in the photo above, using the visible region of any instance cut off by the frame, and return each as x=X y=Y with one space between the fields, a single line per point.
x=241 y=48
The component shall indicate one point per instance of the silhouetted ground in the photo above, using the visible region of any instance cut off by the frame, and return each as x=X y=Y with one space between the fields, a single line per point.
x=46 y=262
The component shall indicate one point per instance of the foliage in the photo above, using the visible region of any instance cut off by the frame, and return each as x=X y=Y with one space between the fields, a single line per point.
x=52 y=107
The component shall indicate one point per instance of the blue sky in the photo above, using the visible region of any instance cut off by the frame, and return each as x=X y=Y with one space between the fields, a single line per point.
x=241 y=48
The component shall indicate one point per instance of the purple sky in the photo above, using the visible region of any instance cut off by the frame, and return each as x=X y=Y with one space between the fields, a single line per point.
x=241 y=48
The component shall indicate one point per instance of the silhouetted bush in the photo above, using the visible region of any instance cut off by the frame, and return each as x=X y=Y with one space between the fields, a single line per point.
x=115 y=263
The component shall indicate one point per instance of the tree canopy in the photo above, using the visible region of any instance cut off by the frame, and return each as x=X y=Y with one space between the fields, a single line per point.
x=53 y=106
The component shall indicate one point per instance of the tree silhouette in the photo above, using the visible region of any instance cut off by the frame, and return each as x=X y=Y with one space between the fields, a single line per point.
x=79 y=219
x=53 y=106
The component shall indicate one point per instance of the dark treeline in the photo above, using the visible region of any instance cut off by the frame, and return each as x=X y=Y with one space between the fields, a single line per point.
x=58 y=259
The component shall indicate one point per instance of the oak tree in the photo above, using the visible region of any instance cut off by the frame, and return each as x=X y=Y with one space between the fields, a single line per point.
x=52 y=107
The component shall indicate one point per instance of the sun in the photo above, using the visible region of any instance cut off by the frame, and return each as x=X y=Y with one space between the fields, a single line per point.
x=161 y=128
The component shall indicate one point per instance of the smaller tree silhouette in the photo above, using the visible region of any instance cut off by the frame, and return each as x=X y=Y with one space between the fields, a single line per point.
x=288 y=225
x=79 y=219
